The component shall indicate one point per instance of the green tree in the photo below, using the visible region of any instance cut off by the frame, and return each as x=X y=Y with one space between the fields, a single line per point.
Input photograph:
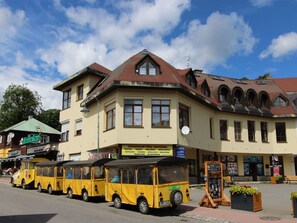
x=18 y=104
x=265 y=76
x=51 y=118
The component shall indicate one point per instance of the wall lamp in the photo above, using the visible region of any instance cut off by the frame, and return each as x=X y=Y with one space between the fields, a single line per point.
x=85 y=109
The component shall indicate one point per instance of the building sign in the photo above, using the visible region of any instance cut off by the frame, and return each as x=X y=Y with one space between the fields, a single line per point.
x=180 y=152
x=38 y=149
x=14 y=153
x=147 y=150
x=30 y=139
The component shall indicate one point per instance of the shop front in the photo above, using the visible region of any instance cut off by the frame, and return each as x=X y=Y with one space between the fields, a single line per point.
x=253 y=166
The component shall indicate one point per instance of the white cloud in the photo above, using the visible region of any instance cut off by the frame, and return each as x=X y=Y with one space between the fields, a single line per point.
x=118 y=36
x=283 y=45
x=211 y=44
x=10 y=22
x=261 y=3
x=19 y=76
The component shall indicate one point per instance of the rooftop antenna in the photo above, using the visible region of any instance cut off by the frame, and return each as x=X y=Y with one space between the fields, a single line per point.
x=188 y=61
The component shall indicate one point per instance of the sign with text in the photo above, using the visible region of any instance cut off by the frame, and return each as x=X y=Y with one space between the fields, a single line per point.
x=30 y=139
x=181 y=152
x=147 y=150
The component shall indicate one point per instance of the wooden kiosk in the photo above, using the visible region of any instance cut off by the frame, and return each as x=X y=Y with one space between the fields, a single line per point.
x=214 y=186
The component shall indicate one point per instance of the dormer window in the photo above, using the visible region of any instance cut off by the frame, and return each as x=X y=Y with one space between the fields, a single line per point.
x=279 y=102
x=147 y=67
x=191 y=80
x=223 y=94
x=205 y=89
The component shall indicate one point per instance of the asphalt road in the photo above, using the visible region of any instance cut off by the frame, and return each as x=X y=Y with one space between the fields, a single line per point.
x=21 y=206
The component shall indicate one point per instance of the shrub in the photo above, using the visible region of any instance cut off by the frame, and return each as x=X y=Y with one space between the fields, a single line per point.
x=247 y=190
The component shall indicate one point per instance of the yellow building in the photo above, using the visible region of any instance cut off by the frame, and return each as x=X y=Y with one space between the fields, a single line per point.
x=147 y=107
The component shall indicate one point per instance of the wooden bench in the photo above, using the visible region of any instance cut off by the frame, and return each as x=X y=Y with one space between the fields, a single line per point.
x=264 y=178
x=242 y=178
x=291 y=178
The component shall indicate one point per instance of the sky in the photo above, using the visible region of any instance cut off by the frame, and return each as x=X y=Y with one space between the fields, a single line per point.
x=42 y=42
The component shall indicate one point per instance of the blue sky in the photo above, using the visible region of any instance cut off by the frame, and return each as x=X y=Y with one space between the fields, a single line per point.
x=44 y=41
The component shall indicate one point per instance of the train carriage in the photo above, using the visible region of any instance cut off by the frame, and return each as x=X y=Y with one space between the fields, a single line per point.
x=148 y=183
x=49 y=176
x=84 y=178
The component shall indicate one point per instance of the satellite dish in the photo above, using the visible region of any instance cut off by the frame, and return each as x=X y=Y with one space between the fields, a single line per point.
x=185 y=130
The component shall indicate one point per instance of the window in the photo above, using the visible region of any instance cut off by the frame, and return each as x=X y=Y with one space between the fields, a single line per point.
x=0 y=138
x=237 y=96
x=160 y=113
x=280 y=128
x=264 y=100
x=66 y=99
x=205 y=89
x=237 y=131
x=251 y=98
x=80 y=92
x=279 y=103
x=264 y=132
x=223 y=129
x=148 y=67
x=110 y=116
x=224 y=94
x=78 y=127
x=65 y=132
x=191 y=80
x=133 y=112
x=211 y=128
x=251 y=131
x=183 y=115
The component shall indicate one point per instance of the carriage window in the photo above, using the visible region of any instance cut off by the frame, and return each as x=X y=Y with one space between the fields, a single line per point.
x=59 y=171
x=170 y=174
x=144 y=176
x=86 y=173
x=76 y=173
x=114 y=175
x=39 y=171
x=51 y=171
x=98 y=172
x=69 y=173
x=129 y=176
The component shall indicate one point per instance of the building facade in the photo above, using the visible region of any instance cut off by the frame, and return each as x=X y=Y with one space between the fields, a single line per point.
x=27 y=139
x=147 y=107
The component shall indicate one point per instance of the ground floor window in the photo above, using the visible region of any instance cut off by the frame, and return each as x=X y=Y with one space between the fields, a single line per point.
x=230 y=167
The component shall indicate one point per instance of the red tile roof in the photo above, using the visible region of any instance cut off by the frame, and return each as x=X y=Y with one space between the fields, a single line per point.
x=126 y=75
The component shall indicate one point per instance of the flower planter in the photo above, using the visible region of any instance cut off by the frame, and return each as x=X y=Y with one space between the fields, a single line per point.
x=247 y=202
x=294 y=202
x=276 y=180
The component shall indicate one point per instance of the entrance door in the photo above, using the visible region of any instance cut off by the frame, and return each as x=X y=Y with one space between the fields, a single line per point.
x=253 y=171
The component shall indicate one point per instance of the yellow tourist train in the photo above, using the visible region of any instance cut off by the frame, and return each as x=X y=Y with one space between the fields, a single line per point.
x=148 y=183
x=49 y=176
x=159 y=182
x=84 y=178
x=26 y=175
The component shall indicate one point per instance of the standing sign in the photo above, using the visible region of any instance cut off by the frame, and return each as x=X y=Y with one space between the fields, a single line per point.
x=214 y=190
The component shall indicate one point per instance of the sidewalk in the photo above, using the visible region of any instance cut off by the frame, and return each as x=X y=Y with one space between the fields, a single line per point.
x=276 y=204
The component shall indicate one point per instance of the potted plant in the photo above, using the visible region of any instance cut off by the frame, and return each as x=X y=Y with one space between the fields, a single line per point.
x=245 y=198
x=294 y=203
x=277 y=179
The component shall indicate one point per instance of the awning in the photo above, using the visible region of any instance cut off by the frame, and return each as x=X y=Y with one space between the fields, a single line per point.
x=17 y=158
